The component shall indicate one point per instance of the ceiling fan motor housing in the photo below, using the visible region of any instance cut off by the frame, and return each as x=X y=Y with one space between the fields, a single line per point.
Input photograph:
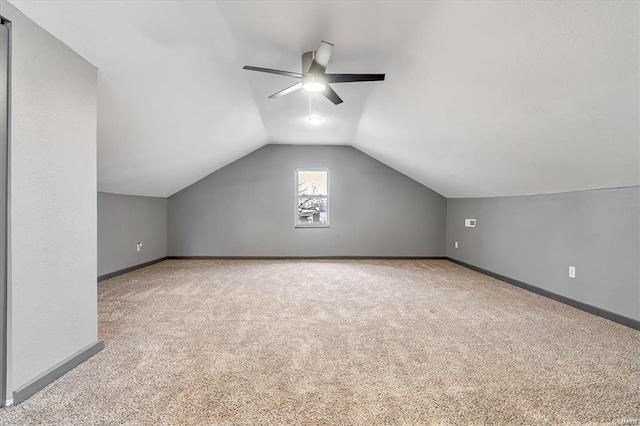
x=311 y=82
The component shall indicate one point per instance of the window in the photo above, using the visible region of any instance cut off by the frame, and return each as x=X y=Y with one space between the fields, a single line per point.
x=312 y=198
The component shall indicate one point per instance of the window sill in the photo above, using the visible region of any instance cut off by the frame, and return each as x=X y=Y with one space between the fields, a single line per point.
x=320 y=225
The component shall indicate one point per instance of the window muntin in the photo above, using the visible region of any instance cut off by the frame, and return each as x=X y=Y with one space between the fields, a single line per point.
x=312 y=198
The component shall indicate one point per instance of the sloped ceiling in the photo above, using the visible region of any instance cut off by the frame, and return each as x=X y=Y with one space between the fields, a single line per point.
x=481 y=98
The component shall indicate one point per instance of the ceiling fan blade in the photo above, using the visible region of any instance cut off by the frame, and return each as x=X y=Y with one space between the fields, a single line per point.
x=321 y=58
x=288 y=90
x=348 y=78
x=271 y=71
x=330 y=94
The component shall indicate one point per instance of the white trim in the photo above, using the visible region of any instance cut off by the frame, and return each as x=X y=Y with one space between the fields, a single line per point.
x=296 y=224
x=8 y=402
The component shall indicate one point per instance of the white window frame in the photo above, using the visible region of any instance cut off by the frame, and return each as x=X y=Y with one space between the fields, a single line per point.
x=296 y=198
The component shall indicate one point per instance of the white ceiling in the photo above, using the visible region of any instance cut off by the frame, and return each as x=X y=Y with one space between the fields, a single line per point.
x=481 y=98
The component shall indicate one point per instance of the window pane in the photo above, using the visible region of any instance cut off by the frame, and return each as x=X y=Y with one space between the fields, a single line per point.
x=312 y=183
x=312 y=210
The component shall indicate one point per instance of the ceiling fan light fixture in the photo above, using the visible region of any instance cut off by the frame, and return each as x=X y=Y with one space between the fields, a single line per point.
x=314 y=86
x=312 y=83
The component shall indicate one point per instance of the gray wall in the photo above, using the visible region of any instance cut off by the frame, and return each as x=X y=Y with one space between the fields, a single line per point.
x=247 y=209
x=52 y=241
x=535 y=239
x=125 y=220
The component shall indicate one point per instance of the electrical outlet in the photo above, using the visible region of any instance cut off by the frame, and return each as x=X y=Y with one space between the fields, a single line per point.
x=456 y=244
x=572 y=271
x=470 y=223
x=139 y=247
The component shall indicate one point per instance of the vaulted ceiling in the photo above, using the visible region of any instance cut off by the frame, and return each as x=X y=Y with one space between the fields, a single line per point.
x=480 y=98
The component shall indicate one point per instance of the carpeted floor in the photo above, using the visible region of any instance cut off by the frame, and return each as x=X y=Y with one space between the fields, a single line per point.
x=360 y=342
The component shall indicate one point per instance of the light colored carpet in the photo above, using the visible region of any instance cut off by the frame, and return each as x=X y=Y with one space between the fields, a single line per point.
x=340 y=342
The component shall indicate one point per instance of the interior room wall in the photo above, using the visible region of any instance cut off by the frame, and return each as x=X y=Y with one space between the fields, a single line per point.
x=534 y=239
x=124 y=221
x=52 y=243
x=247 y=209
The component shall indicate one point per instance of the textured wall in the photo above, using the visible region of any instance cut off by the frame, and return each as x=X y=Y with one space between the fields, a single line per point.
x=125 y=220
x=52 y=245
x=535 y=239
x=247 y=209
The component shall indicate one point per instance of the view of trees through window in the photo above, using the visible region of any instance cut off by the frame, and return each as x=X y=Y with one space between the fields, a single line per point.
x=312 y=198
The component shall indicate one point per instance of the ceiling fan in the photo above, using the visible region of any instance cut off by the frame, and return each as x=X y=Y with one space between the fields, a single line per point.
x=314 y=78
